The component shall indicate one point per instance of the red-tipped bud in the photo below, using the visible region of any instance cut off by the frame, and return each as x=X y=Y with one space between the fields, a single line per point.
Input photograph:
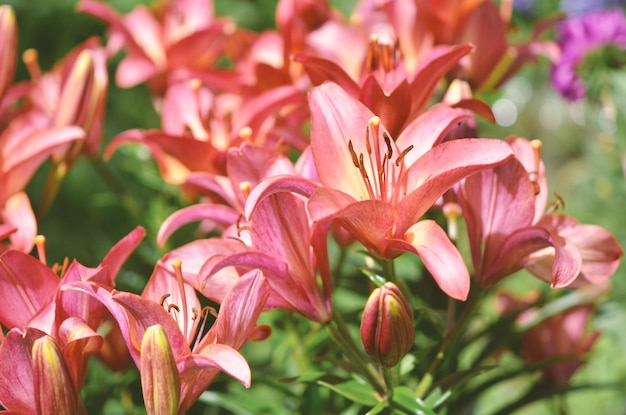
x=387 y=328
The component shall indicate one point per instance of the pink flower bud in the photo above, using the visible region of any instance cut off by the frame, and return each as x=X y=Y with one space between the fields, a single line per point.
x=387 y=328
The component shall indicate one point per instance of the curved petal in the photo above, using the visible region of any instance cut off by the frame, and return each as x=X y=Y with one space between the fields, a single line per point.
x=369 y=221
x=239 y=311
x=495 y=203
x=120 y=252
x=431 y=72
x=338 y=119
x=17 y=392
x=321 y=70
x=197 y=372
x=439 y=255
x=278 y=184
x=18 y=213
x=428 y=130
x=221 y=214
x=443 y=166
x=27 y=286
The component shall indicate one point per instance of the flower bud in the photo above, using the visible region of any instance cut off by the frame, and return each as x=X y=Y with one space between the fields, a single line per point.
x=387 y=328
x=54 y=389
x=160 y=380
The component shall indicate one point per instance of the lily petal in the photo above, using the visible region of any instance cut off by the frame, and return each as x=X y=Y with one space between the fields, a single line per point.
x=443 y=166
x=431 y=243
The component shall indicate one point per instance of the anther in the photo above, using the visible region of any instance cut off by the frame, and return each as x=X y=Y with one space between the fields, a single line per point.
x=355 y=159
x=163 y=298
x=195 y=84
x=535 y=145
x=246 y=134
x=388 y=142
x=245 y=188
x=173 y=306
x=368 y=146
x=403 y=154
x=194 y=310
x=362 y=167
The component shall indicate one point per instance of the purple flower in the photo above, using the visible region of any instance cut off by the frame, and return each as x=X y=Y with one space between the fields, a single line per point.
x=580 y=36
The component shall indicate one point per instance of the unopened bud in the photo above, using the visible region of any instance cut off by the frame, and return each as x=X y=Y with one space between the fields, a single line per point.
x=160 y=380
x=55 y=392
x=387 y=328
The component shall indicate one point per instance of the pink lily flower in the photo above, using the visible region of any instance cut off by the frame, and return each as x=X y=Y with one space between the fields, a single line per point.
x=383 y=84
x=379 y=187
x=509 y=229
x=200 y=127
x=35 y=377
x=224 y=198
x=8 y=37
x=36 y=299
x=73 y=93
x=179 y=314
x=175 y=34
x=564 y=336
x=18 y=223
x=422 y=26
x=282 y=247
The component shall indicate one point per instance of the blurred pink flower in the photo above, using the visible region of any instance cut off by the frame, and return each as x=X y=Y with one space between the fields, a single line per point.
x=174 y=34
x=199 y=127
x=509 y=228
x=564 y=337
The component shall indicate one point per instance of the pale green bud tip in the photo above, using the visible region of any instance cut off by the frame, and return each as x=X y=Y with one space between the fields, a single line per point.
x=160 y=380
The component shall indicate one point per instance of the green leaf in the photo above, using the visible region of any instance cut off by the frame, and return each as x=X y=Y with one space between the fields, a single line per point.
x=361 y=393
x=405 y=397
x=377 y=280
x=437 y=398
x=311 y=377
x=378 y=409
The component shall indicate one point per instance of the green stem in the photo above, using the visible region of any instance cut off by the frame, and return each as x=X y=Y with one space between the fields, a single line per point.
x=389 y=271
x=452 y=335
x=339 y=333
x=390 y=376
x=299 y=351
x=55 y=177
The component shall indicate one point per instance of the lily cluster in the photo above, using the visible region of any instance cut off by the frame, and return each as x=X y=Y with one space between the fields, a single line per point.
x=331 y=134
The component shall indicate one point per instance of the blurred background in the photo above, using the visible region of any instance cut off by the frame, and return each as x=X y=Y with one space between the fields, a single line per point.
x=584 y=149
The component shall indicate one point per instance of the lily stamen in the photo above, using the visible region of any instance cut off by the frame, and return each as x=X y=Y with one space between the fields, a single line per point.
x=534 y=175
x=403 y=154
x=204 y=314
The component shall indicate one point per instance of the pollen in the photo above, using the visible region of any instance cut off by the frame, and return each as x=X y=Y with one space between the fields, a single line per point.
x=246 y=188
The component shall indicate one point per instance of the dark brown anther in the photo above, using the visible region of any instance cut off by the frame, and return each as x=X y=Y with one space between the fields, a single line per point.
x=173 y=306
x=195 y=313
x=368 y=146
x=163 y=298
x=403 y=154
x=362 y=168
x=388 y=142
x=355 y=159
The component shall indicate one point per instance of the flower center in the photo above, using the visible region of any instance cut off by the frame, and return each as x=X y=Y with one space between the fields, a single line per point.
x=381 y=174
x=177 y=312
